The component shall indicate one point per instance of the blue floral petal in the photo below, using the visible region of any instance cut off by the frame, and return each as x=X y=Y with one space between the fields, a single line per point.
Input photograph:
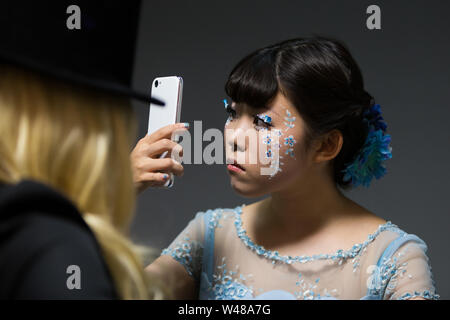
x=376 y=149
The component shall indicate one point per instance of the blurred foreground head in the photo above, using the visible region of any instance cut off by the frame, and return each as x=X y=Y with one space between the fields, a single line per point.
x=66 y=119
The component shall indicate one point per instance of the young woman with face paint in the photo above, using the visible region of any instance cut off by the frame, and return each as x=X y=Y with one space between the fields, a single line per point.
x=305 y=99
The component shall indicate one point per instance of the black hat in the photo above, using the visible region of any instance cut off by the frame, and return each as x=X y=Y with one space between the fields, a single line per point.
x=43 y=36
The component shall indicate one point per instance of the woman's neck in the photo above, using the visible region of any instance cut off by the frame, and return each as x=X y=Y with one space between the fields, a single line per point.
x=311 y=205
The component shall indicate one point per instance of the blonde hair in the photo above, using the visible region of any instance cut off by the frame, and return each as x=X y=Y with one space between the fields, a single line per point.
x=77 y=141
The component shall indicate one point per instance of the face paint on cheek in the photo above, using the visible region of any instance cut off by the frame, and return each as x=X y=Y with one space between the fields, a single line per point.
x=289 y=123
x=267 y=140
x=290 y=141
x=275 y=166
x=275 y=162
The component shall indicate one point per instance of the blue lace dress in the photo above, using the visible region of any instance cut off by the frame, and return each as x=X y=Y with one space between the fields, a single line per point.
x=215 y=250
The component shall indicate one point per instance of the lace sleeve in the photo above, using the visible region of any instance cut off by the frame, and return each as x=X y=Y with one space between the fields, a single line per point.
x=187 y=247
x=407 y=273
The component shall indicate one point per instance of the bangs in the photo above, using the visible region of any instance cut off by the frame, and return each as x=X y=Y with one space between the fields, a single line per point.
x=253 y=81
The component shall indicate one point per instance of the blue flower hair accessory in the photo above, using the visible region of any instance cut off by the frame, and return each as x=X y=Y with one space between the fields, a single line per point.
x=369 y=161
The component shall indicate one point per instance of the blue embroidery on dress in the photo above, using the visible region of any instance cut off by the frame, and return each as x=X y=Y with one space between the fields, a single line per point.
x=390 y=273
x=215 y=218
x=391 y=270
x=308 y=291
x=227 y=287
x=339 y=256
x=189 y=253
x=384 y=279
x=427 y=294
x=228 y=284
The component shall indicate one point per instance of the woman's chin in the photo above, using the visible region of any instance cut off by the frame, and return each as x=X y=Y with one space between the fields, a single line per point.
x=247 y=190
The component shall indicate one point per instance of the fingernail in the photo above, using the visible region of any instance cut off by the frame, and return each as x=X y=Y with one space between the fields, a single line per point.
x=185 y=124
x=165 y=176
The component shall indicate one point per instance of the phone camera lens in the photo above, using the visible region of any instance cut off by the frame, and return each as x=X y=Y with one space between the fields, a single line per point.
x=156 y=84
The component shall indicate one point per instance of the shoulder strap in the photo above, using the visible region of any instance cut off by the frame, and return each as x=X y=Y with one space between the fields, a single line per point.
x=397 y=243
x=208 y=245
x=386 y=255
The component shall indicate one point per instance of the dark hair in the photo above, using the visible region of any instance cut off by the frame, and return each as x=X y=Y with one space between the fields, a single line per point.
x=322 y=80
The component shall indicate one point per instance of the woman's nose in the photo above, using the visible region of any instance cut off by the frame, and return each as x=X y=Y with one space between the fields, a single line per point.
x=237 y=134
x=235 y=140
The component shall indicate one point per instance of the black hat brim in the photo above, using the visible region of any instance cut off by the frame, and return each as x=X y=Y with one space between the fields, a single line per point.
x=69 y=76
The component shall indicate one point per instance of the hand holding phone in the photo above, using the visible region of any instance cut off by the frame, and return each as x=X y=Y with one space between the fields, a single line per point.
x=148 y=169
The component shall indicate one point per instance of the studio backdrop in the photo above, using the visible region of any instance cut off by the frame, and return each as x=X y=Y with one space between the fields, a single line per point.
x=405 y=67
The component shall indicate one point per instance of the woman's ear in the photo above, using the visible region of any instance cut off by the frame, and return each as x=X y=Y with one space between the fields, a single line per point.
x=328 y=146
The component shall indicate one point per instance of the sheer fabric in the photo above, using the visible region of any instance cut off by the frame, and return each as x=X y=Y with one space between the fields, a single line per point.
x=215 y=250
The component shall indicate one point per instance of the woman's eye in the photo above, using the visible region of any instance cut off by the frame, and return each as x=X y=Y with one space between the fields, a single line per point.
x=264 y=121
x=231 y=111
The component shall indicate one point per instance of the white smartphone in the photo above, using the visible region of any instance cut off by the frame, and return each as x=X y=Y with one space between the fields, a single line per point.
x=170 y=91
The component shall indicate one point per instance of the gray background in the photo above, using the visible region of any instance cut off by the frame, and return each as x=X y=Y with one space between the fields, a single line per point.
x=405 y=68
